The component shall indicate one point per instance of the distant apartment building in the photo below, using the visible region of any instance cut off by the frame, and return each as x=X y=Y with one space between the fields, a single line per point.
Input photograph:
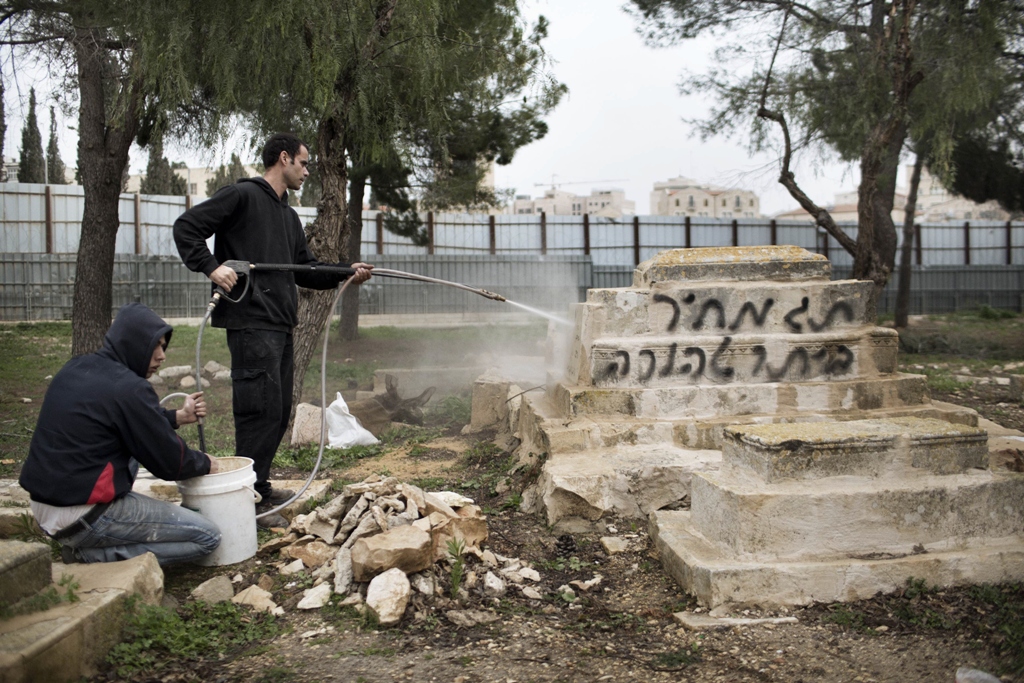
x=195 y=179
x=686 y=197
x=607 y=203
x=935 y=204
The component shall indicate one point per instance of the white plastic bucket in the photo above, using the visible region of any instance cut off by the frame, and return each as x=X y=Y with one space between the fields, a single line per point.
x=227 y=499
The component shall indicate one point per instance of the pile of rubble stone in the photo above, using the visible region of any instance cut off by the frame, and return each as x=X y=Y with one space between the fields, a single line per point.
x=378 y=541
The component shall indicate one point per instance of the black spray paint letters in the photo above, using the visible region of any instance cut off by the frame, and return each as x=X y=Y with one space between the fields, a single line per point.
x=712 y=313
x=801 y=362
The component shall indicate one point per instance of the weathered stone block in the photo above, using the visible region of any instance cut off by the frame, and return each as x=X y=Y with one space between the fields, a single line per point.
x=779 y=263
x=24 y=570
x=405 y=547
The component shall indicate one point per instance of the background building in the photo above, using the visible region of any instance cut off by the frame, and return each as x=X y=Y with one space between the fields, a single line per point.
x=686 y=197
x=611 y=203
x=195 y=179
x=935 y=204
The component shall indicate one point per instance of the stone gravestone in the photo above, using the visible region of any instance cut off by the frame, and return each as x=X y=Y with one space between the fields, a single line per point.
x=750 y=406
x=706 y=339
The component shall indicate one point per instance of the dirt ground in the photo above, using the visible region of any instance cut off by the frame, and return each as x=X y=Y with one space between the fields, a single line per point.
x=623 y=628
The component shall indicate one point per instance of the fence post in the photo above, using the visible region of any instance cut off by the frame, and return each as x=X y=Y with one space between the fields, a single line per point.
x=774 y=232
x=636 y=240
x=188 y=201
x=917 y=243
x=492 y=235
x=735 y=233
x=379 y=220
x=586 y=234
x=138 y=223
x=824 y=248
x=48 y=213
x=967 y=243
x=543 y=233
x=1009 y=243
x=686 y=222
x=430 y=232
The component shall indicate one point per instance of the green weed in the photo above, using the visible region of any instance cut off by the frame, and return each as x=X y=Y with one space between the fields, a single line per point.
x=456 y=546
x=45 y=599
x=843 y=615
x=677 y=659
x=155 y=637
x=429 y=483
x=449 y=410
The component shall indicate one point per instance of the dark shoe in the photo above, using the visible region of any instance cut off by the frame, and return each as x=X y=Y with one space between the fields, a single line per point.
x=278 y=496
x=67 y=555
x=271 y=521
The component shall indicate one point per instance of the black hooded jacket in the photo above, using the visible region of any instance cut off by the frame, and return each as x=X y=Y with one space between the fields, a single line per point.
x=251 y=223
x=99 y=412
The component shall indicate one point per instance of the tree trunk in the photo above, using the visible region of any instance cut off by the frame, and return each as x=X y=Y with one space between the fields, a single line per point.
x=348 y=327
x=326 y=237
x=102 y=157
x=903 y=287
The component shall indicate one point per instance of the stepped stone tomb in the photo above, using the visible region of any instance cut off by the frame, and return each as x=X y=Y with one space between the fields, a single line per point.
x=749 y=406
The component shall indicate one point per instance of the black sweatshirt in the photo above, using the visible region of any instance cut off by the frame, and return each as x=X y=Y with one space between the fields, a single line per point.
x=98 y=413
x=251 y=223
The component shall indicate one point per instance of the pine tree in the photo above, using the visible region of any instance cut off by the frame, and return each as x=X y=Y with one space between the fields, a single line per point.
x=160 y=177
x=55 y=165
x=226 y=175
x=30 y=166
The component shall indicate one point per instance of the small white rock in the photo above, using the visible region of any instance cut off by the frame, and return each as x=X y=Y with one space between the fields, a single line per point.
x=493 y=586
x=531 y=593
x=316 y=597
x=292 y=568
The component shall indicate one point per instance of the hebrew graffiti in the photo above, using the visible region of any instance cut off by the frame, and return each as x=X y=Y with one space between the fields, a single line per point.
x=712 y=313
x=801 y=362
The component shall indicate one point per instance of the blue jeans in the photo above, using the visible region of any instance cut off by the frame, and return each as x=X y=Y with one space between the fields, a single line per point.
x=261 y=387
x=137 y=524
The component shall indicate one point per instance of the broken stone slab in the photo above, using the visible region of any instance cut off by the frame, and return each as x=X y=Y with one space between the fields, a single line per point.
x=494 y=587
x=258 y=599
x=189 y=382
x=388 y=595
x=452 y=499
x=414 y=495
x=470 y=617
x=316 y=597
x=312 y=555
x=175 y=371
x=613 y=545
x=367 y=527
x=213 y=367
x=705 y=622
x=489 y=408
x=278 y=543
x=351 y=519
x=343 y=571
x=306 y=428
x=406 y=547
x=215 y=590
x=435 y=504
x=471 y=530
x=337 y=507
x=423 y=582
x=293 y=567
x=587 y=585
x=222 y=376
x=1017 y=387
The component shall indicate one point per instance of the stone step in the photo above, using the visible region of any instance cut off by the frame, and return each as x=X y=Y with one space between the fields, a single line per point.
x=24 y=570
x=686 y=360
x=894 y=446
x=716 y=577
x=740 y=264
x=717 y=308
x=851 y=516
x=543 y=431
x=714 y=401
x=69 y=641
x=628 y=481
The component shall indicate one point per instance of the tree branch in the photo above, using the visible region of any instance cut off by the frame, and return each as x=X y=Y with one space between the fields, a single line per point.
x=821 y=216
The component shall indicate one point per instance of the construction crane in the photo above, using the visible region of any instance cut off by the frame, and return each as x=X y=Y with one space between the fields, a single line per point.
x=555 y=185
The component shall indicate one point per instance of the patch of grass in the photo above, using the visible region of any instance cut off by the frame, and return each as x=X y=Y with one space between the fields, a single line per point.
x=155 y=637
x=45 y=599
x=1005 y=622
x=334 y=458
x=277 y=674
x=429 y=483
x=677 y=659
x=451 y=409
x=481 y=453
x=375 y=651
x=844 y=615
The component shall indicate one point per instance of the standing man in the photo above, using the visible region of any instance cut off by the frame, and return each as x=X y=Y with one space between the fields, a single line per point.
x=100 y=419
x=252 y=221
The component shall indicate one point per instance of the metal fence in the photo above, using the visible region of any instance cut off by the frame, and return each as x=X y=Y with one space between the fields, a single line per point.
x=539 y=260
x=40 y=286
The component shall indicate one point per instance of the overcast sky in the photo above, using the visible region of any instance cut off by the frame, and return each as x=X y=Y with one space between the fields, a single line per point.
x=621 y=125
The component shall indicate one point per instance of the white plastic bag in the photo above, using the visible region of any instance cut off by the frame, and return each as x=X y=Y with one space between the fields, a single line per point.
x=343 y=429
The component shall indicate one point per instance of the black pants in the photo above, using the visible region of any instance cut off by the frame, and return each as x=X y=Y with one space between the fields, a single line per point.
x=261 y=383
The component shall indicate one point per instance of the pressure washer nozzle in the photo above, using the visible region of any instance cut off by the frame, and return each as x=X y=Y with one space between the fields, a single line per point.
x=492 y=295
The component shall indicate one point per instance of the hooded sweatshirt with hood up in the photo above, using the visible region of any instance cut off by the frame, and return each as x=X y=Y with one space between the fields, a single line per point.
x=251 y=223
x=98 y=413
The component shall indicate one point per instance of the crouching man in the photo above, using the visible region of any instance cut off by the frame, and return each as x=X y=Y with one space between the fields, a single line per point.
x=100 y=419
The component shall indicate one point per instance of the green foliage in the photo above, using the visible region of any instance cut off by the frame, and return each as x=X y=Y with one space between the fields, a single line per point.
x=844 y=615
x=156 y=637
x=160 y=178
x=449 y=410
x=1005 y=622
x=30 y=164
x=304 y=457
x=55 y=169
x=226 y=175
x=678 y=659
x=456 y=547
x=45 y=599
x=986 y=312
